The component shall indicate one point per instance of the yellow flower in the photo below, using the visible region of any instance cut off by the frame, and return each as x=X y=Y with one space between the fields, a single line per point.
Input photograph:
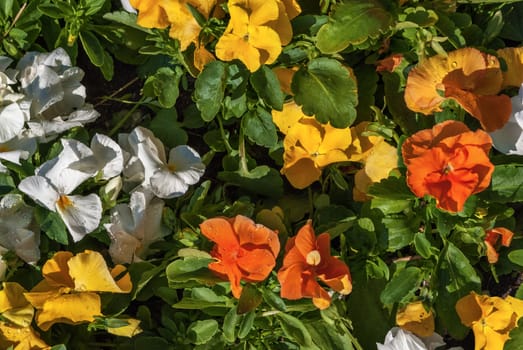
x=15 y=308
x=513 y=57
x=256 y=31
x=311 y=146
x=70 y=281
x=416 y=319
x=151 y=14
x=491 y=318
x=288 y=116
x=132 y=328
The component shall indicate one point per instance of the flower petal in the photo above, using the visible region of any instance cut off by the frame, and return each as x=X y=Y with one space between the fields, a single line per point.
x=81 y=214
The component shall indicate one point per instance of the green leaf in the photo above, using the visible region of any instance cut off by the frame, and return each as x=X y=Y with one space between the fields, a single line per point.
x=401 y=230
x=327 y=90
x=152 y=343
x=107 y=68
x=273 y=300
x=512 y=27
x=52 y=224
x=6 y=8
x=260 y=180
x=164 y=85
x=229 y=325
x=6 y=183
x=516 y=256
x=506 y=185
x=325 y=336
x=250 y=298
x=246 y=324
x=455 y=278
x=93 y=6
x=190 y=271
x=200 y=332
x=93 y=48
x=423 y=246
x=516 y=338
x=259 y=128
x=402 y=285
x=393 y=188
x=294 y=329
x=210 y=89
x=53 y=11
x=267 y=86
x=166 y=127
x=352 y=23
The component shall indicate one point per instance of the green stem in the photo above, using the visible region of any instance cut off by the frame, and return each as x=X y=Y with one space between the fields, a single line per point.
x=241 y=152
x=224 y=137
x=126 y=117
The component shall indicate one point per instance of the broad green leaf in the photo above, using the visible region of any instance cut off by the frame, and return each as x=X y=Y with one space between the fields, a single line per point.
x=229 y=325
x=327 y=336
x=506 y=185
x=246 y=324
x=402 y=284
x=455 y=278
x=352 y=23
x=258 y=127
x=166 y=127
x=401 y=230
x=107 y=68
x=200 y=332
x=327 y=90
x=267 y=86
x=164 y=85
x=190 y=271
x=512 y=26
x=295 y=329
x=51 y=223
x=261 y=180
x=6 y=8
x=516 y=338
x=273 y=300
x=210 y=89
x=423 y=246
x=93 y=6
x=53 y=11
x=250 y=298
x=516 y=256
x=93 y=48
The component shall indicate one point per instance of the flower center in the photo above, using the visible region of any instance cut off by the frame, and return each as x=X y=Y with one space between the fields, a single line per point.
x=448 y=168
x=171 y=167
x=4 y=148
x=313 y=258
x=64 y=202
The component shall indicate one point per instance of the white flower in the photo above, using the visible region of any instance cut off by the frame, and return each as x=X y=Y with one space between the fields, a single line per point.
x=56 y=94
x=399 y=339
x=53 y=184
x=509 y=139
x=20 y=147
x=165 y=178
x=106 y=158
x=134 y=227
x=15 y=228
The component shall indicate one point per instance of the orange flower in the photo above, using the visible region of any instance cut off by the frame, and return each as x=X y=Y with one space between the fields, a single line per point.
x=244 y=250
x=491 y=240
x=308 y=258
x=467 y=75
x=448 y=162
x=389 y=63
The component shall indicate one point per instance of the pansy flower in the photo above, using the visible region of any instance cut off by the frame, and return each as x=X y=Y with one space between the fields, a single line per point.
x=513 y=58
x=69 y=291
x=415 y=318
x=166 y=178
x=308 y=259
x=470 y=77
x=509 y=139
x=491 y=318
x=134 y=227
x=448 y=162
x=244 y=250
x=255 y=33
x=310 y=147
x=151 y=13
x=400 y=339
x=20 y=147
x=53 y=183
x=492 y=237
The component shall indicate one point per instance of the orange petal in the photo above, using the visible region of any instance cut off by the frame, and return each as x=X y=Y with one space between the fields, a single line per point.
x=290 y=278
x=469 y=309
x=251 y=233
x=220 y=231
x=256 y=265
x=305 y=240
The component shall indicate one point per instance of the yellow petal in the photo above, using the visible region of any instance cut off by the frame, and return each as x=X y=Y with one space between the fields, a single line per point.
x=361 y=145
x=381 y=160
x=38 y=299
x=22 y=338
x=260 y=11
x=91 y=274
x=20 y=316
x=289 y=116
x=517 y=305
x=72 y=309
x=469 y=309
x=232 y=46
x=132 y=329
x=183 y=25
x=305 y=135
x=282 y=25
x=292 y=8
x=201 y=57
x=335 y=139
x=56 y=270
x=285 y=76
x=302 y=173
x=150 y=13
x=513 y=57
x=416 y=319
x=361 y=184
x=12 y=296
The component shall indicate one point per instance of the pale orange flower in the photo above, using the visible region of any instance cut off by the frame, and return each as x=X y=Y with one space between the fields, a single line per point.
x=244 y=250
x=389 y=63
x=491 y=239
x=307 y=260
x=470 y=77
x=448 y=162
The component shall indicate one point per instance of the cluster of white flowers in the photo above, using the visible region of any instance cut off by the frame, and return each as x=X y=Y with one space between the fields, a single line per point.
x=400 y=339
x=39 y=100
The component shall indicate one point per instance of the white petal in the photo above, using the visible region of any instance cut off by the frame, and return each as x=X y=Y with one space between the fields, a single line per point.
x=109 y=154
x=11 y=122
x=25 y=243
x=81 y=214
x=127 y=6
x=40 y=190
x=187 y=163
x=398 y=339
x=58 y=170
x=14 y=213
x=165 y=184
x=14 y=156
x=123 y=246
